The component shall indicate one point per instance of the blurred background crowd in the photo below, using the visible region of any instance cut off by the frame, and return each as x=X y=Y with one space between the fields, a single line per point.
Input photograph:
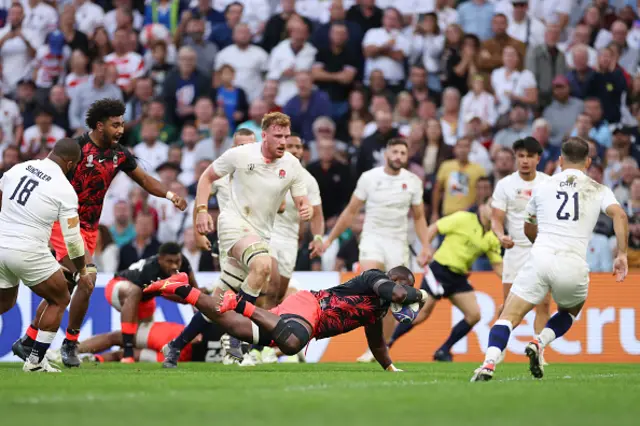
x=461 y=81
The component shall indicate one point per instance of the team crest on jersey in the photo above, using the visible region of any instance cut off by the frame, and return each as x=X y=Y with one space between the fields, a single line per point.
x=404 y=186
x=115 y=158
x=524 y=193
x=282 y=174
x=90 y=160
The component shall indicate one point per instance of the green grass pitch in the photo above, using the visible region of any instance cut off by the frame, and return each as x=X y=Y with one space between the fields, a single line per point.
x=320 y=394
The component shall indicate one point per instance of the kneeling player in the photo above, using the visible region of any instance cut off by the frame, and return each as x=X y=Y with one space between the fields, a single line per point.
x=124 y=291
x=360 y=302
x=467 y=237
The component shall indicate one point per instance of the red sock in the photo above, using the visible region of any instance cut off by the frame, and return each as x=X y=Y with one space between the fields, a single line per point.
x=99 y=358
x=249 y=309
x=32 y=332
x=193 y=296
x=72 y=335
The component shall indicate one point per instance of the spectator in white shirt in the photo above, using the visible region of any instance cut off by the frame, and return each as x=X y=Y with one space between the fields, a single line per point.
x=446 y=14
x=386 y=49
x=579 y=36
x=450 y=120
x=290 y=56
x=50 y=62
x=510 y=85
x=173 y=221
x=426 y=47
x=479 y=103
x=129 y=64
x=122 y=7
x=151 y=152
x=190 y=138
x=551 y=12
x=524 y=28
x=10 y=121
x=39 y=18
x=78 y=75
x=88 y=16
x=17 y=48
x=473 y=130
x=42 y=136
x=249 y=61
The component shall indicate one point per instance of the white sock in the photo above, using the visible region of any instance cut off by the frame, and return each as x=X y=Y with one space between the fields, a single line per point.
x=256 y=333
x=46 y=336
x=546 y=336
x=492 y=355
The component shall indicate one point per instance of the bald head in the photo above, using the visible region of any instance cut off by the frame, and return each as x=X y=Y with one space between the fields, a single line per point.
x=67 y=149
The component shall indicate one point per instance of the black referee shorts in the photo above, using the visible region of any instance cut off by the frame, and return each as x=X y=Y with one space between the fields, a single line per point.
x=440 y=281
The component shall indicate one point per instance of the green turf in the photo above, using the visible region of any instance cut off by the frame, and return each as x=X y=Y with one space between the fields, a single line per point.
x=320 y=394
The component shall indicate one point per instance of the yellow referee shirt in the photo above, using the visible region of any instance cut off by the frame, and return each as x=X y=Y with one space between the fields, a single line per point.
x=465 y=241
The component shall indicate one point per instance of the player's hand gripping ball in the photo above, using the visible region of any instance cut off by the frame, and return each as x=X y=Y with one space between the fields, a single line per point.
x=405 y=314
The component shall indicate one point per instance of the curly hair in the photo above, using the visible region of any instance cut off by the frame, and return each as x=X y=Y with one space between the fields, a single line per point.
x=103 y=109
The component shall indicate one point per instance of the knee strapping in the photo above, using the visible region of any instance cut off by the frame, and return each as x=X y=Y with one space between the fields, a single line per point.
x=259 y=248
x=232 y=275
x=285 y=329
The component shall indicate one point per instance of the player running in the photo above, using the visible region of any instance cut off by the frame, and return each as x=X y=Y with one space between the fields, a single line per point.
x=387 y=193
x=34 y=195
x=124 y=291
x=467 y=237
x=362 y=301
x=560 y=218
x=284 y=238
x=510 y=199
x=219 y=188
x=102 y=158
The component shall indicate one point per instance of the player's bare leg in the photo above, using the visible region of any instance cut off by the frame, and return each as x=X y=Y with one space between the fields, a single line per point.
x=130 y=296
x=423 y=315
x=252 y=252
x=100 y=342
x=275 y=290
x=468 y=304
x=8 y=298
x=54 y=291
x=388 y=323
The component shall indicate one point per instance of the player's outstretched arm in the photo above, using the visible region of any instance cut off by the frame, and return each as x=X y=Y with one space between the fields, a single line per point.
x=203 y=222
x=345 y=220
x=497 y=226
x=305 y=211
x=621 y=229
x=423 y=233
x=396 y=293
x=378 y=347
x=156 y=188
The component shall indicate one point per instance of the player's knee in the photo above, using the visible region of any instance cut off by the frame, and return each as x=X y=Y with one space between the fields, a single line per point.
x=261 y=266
x=60 y=299
x=472 y=318
x=86 y=288
x=290 y=336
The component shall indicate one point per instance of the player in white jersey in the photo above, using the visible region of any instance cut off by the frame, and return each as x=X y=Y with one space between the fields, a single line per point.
x=560 y=218
x=34 y=195
x=284 y=239
x=510 y=199
x=219 y=188
x=387 y=193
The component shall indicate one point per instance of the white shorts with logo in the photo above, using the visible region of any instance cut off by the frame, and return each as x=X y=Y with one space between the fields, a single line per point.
x=232 y=229
x=286 y=253
x=567 y=277
x=390 y=252
x=30 y=267
x=514 y=260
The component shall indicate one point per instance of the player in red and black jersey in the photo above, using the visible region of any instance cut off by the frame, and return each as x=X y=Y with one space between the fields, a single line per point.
x=360 y=302
x=102 y=158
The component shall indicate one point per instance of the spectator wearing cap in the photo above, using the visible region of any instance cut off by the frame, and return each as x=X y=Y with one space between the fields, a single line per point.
x=335 y=69
x=222 y=34
x=89 y=16
x=231 y=100
x=206 y=51
x=563 y=111
x=523 y=27
x=42 y=135
x=510 y=85
x=257 y=110
x=545 y=62
x=582 y=76
x=600 y=132
x=609 y=85
x=58 y=104
x=249 y=61
x=491 y=49
x=479 y=103
x=475 y=17
x=17 y=47
x=151 y=152
x=182 y=87
x=306 y=106
x=289 y=57
x=214 y=146
x=366 y=14
x=94 y=89
x=372 y=150
x=164 y=12
x=11 y=123
x=75 y=39
x=122 y=229
x=517 y=129
x=40 y=18
x=599 y=253
x=623 y=141
x=386 y=49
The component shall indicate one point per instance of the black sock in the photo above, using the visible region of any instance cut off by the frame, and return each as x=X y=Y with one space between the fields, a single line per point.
x=243 y=298
x=127 y=344
x=38 y=351
x=184 y=291
x=458 y=331
x=401 y=329
x=195 y=326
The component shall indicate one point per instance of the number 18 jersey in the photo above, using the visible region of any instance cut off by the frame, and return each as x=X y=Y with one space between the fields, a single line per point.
x=566 y=208
x=35 y=194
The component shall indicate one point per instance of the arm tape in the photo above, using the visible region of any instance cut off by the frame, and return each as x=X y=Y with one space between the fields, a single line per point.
x=72 y=238
x=413 y=295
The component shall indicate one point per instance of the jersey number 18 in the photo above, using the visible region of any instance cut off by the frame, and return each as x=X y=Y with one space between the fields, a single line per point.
x=562 y=215
x=23 y=196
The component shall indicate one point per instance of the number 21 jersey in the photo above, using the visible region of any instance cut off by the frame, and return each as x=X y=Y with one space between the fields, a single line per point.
x=35 y=194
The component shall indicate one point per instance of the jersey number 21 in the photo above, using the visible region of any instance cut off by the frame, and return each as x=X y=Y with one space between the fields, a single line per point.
x=23 y=196
x=565 y=215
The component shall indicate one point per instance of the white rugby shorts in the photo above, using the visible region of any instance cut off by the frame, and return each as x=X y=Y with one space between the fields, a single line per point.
x=30 y=267
x=389 y=252
x=514 y=259
x=286 y=253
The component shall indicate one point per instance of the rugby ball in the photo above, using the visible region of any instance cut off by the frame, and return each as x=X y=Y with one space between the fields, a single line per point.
x=405 y=314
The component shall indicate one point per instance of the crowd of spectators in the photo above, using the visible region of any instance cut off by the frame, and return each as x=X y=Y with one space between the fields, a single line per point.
x=460 y=81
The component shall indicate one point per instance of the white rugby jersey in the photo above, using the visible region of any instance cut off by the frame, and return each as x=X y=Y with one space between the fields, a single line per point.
x=387 y=201
x=566 y=208
x=511 y=195
x=35 y=194
x=287 y=223
x=220 y=189
x=258 y=186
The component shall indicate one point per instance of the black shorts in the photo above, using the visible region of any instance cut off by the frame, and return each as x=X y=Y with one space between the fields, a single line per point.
x=443 y=282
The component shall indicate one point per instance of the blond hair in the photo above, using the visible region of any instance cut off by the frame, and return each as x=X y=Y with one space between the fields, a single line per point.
x=275 y=119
